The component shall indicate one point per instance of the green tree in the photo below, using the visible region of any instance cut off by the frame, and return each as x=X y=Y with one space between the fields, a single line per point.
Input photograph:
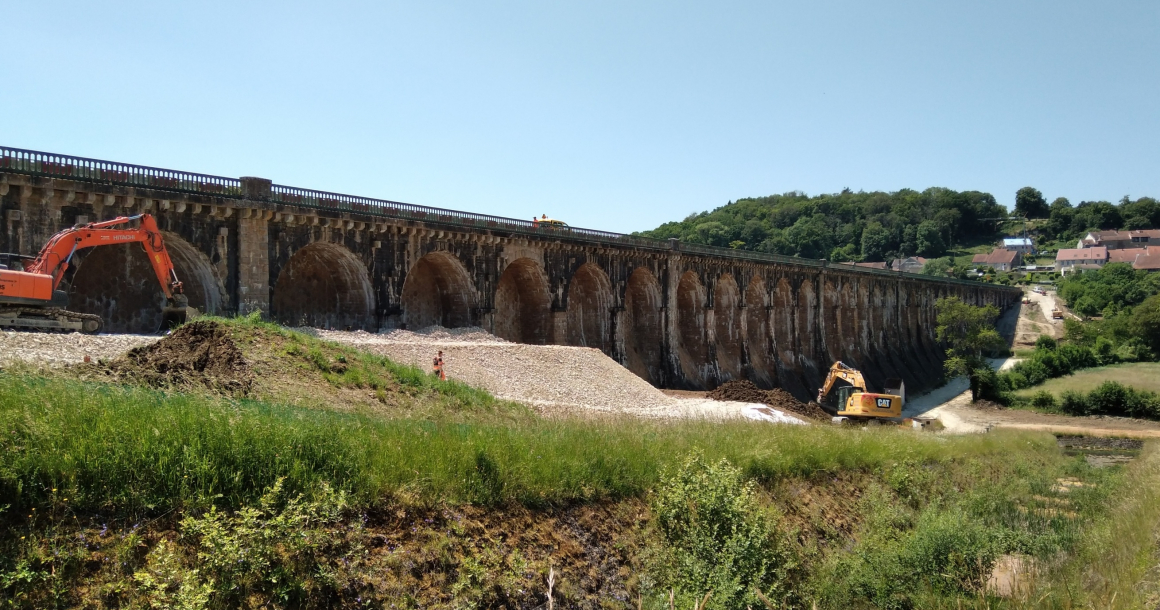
x=940 y=267
x=969 y=332
x=1030 y=203
x=1146 y=322
x=1060 y=217
x=712 y=233
x=875 y=241
x=810 y=237
x=909 y=245
x=929 y=239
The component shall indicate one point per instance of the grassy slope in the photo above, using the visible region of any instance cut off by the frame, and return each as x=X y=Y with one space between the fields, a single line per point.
x=139 y=450
x=1140 y=375
x=452 y=495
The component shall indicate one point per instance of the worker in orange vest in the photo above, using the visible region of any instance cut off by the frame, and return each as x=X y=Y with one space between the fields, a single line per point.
x=439 y=366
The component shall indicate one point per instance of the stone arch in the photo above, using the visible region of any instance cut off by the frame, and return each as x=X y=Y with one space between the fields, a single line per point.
x=589 y=314
x=644 y=334
x=727 y=326
x=757 y=332
x=118 y=283
x=437 y=291
x=324 y=285
x=522 y=303
x=692 y=335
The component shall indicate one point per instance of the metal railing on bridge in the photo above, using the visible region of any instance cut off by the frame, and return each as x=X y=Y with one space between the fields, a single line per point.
x=51 y=165
x=36 y=163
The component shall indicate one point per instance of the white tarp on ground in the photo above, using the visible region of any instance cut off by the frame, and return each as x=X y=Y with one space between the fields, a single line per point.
x=769 y=414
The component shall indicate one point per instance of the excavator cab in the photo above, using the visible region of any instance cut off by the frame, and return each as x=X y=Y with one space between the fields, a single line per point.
x=844 y=394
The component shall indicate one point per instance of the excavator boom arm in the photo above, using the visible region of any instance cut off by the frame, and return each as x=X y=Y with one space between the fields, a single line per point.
x=840 y=370
x=57 y=254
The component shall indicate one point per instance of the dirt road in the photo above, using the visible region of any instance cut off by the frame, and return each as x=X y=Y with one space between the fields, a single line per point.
x=1035 y=320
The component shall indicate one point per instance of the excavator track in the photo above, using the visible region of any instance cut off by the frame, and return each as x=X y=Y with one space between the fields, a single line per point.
x=49 y=319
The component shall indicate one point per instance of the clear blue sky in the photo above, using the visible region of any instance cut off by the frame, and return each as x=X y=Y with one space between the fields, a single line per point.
x=609 y=115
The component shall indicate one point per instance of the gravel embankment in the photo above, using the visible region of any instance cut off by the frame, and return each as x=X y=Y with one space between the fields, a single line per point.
x=553 y=378
x=59 y=349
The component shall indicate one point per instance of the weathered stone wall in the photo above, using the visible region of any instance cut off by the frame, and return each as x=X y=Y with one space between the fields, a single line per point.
x=677 y=319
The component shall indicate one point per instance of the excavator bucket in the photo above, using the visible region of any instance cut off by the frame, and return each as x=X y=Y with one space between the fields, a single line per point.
x=172 y=317
x=177 y=312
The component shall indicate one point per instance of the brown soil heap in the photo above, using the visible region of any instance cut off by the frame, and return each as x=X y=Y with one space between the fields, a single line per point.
x=741 y=390
x=197 y=354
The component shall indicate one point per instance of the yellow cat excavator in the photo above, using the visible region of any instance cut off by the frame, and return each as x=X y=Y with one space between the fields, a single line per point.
x=853 y=400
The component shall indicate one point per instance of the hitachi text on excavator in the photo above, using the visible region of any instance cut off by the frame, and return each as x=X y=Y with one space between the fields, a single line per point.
x=30 y=299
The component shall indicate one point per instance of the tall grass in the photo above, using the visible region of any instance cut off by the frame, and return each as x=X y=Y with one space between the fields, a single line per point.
x=1114 y=565
x=1139 y=375
x=137 y=451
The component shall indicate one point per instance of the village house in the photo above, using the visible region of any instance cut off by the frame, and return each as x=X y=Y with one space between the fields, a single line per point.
x=910 y=264
x=1118 y=240
x=1022 y=245
x=1067 y=258
x=1001 y=259
x=1146 y=258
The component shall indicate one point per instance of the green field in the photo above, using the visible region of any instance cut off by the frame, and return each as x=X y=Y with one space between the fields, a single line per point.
x=1139 y=375
x=115 y=493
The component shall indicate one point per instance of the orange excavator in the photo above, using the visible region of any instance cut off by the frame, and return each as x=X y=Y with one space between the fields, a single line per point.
x=30 y=299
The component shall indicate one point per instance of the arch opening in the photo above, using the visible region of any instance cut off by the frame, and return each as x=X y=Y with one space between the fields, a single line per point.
x=727 y=327
x=324 y=285
x=645 y=336
x=523 y=304
x=589 y=309
x=692 y=340
x=118 y=284
x=757 y=332
x=438 y=291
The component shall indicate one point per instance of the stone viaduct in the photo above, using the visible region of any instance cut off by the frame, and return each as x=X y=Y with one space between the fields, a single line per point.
x=676 y=314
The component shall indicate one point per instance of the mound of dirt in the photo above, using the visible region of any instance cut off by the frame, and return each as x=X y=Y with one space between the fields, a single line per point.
x=738 y=390
x=742 y=390
x=197 y=354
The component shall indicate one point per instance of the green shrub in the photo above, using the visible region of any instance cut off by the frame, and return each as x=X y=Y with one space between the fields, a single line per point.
x=715 y=535
x=987 y=385
x=276 y=553
x=1043 y=400
x=1035 y=371
x=1047 y=361
x=1073 y=403
x=949 y=552
x=900 y=558
x=1112 y=398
